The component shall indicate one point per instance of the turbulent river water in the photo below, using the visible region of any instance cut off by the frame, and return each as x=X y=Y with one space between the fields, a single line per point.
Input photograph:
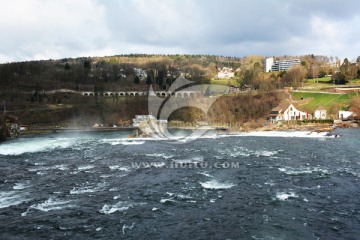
x=284 y=185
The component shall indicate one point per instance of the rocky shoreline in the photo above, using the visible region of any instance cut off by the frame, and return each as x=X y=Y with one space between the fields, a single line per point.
x=291 y=126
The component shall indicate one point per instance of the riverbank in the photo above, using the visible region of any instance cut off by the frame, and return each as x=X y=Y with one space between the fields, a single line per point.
x=221 y=130
x=314 y=127
x=74 y=129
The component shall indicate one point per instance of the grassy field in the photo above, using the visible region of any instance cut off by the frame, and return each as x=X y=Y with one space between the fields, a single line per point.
x=309 y=101
x=355 y=81
x=311 y=84
x=319 y=83
x=226 y=82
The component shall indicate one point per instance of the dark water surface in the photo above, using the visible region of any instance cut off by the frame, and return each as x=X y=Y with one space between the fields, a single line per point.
x=101 y=185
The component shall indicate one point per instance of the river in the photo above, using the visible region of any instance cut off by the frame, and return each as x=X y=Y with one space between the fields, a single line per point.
x=284 y=185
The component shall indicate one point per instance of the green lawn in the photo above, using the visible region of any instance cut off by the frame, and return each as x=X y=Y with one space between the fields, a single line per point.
x=317 y=83
x=226 y=82
x=326 y=82
x=312 y=100
x=355 y=81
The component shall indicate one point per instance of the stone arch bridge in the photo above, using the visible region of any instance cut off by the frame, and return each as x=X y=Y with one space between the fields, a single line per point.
x=182 y=94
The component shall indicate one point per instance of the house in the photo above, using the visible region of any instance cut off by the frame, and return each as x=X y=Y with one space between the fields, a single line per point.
x=320 y=113
x=345 y=114
x=226 y=73
x=142 y=74
x=287 y=112
x=23 y=127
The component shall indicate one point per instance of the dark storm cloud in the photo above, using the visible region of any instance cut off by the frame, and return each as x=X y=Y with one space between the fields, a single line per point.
x=35 y=29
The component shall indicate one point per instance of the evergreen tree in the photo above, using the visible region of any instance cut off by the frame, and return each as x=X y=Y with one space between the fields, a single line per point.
x=148 y=79
x=87 y=64
x=67 y=66
x=136 y=80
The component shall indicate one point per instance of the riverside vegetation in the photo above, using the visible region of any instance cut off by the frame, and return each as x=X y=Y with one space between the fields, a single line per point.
x=34 y=91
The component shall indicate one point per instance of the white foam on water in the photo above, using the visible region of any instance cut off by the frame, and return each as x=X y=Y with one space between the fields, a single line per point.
x=244 y=152
x=61 y=167
x=282 y=196
x=265 y=153
x=270 y=183
x=12 y=198
x=39 y=163
x=165 y=200
x=33 y=145
x=124 y=141
x=53 y=204
x=215 y=184
x=179 y=196
x=234 y=152
x=114 y=189
x=286 y=134
x=127 y=227
x=88 y=189
x=118 y=167
x=206 y=174
x=85 y=167
x=22 y=185
x=303 y=170
x=118 y=207
x=159 y=155
x=195 y=159
x=128 y=143
x=349 y=171
x=155 y=164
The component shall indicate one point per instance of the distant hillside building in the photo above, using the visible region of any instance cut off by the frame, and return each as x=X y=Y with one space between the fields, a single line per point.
x=345 y=114
x=226 y=73
x=142 y=74
x=279 y=65
x=268 y=64
x=286 y=112
x=320 y=113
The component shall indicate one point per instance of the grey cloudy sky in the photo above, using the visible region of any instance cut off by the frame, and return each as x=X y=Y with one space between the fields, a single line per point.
x=44 y=29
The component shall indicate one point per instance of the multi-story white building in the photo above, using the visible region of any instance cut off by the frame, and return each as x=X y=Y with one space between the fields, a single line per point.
x=279 y=65
x=268 y=63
